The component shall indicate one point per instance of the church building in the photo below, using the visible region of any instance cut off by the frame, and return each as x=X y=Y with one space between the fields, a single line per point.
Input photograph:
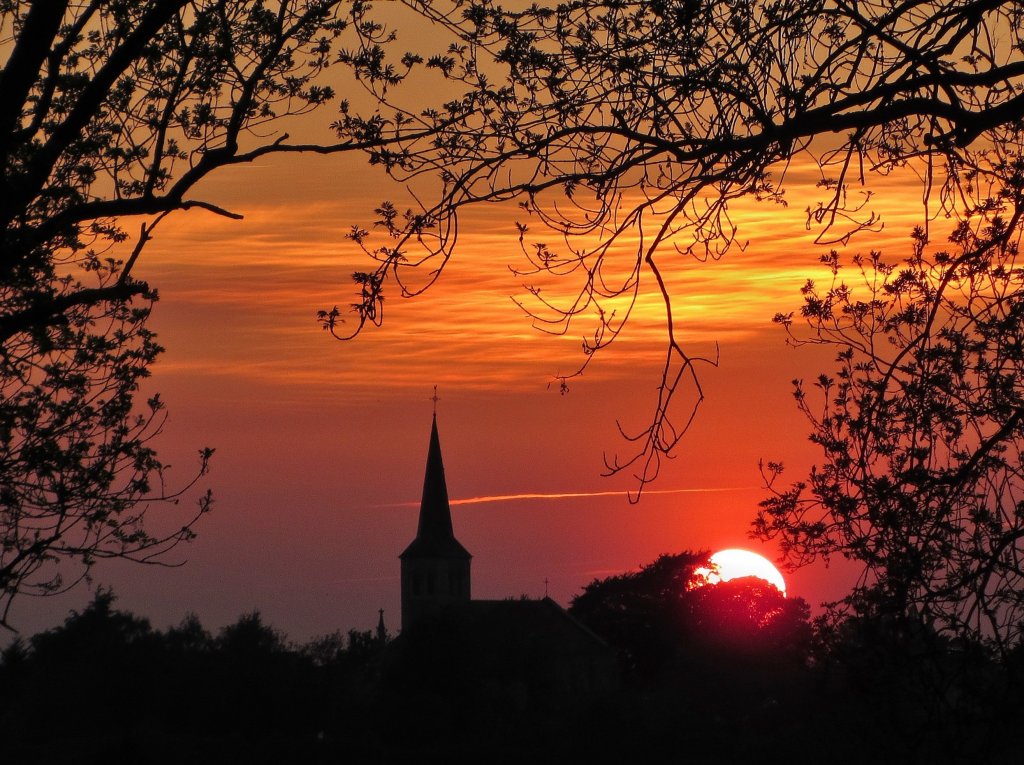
x=530 y=650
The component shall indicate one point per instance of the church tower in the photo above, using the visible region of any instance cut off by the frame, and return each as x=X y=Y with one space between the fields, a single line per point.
x=435 y=567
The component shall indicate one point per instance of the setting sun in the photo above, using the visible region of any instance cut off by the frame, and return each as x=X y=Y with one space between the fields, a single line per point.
x=735 y=564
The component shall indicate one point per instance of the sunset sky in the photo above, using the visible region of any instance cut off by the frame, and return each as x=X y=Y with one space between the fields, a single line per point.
x=321 y=444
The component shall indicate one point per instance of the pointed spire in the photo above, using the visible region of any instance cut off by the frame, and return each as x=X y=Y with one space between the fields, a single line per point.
x=434 y=534
x=435 y=512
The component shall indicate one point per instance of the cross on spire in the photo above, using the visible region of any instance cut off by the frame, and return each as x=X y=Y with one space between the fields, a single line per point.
x=435 y=399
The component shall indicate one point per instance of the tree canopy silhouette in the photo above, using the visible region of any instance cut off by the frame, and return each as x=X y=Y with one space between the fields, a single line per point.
x=627 y=129
x=247 y=693
x=920 y=427
x=657 y=619
x=110 y=111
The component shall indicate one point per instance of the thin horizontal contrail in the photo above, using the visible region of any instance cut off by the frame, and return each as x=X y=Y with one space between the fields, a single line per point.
x=569 y=495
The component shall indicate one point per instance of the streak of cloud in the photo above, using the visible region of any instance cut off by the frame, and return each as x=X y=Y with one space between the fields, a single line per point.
x=570 y=495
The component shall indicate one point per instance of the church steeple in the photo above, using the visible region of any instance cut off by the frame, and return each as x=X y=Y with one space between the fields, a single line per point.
x=434 y=534
x=435 y=567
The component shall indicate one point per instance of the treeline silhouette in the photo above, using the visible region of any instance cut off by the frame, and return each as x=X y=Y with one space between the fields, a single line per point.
x=106 y=686
x=712 y=675
x=736 y=672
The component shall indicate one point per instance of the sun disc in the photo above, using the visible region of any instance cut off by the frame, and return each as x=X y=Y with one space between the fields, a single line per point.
x=735 y=563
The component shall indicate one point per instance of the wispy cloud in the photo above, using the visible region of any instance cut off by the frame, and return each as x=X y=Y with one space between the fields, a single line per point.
x=242 y=296
x=571 y=495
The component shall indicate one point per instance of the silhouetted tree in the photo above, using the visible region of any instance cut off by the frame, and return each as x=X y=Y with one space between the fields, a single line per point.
x=189 y=637
x=362 y=648
x=249 y=639
x=105 y=653
x=659 y=621
x=719 y=671
x=324 y=650
x=749 y=616
x=639 y=613
x=627 y=129
x=921 y=426
x=109 y=111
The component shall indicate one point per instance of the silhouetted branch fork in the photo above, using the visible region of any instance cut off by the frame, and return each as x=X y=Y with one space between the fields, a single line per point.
x=966 y=471
x=27 y=184
x=174 y=199
x=44 y=309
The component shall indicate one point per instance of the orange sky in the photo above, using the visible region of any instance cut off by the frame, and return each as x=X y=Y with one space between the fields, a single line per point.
x=321 y=444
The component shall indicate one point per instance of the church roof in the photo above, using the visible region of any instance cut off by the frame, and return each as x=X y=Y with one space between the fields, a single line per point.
x=519 y=620
x=501 y=649
x=434 y=535
x=534 y=619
